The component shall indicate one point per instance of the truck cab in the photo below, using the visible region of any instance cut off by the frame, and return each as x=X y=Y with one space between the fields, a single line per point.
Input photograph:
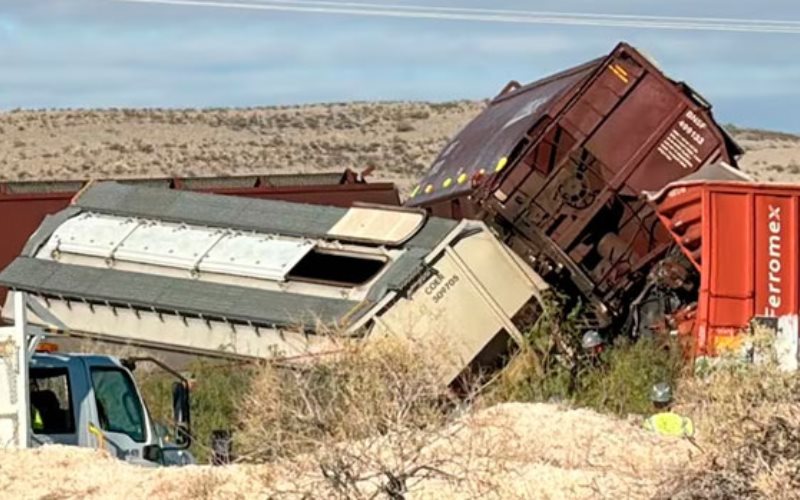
x=93 y=401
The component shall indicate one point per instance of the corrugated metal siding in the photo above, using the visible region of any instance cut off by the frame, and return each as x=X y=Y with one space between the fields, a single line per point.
x=748 y=237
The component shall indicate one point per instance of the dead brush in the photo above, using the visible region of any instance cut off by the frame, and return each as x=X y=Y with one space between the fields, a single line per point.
x=732 y=393
x=765 y=465
x=357 y=425
x=748 y=416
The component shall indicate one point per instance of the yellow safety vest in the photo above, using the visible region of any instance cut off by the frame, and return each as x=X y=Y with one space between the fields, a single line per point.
x=38 y=423
x=670 y=424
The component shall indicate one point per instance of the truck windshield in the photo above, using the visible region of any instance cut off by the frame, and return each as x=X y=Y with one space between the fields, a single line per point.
x=118 y=405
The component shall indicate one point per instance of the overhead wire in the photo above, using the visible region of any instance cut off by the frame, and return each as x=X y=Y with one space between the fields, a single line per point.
x=492 y=15
x=467 y=10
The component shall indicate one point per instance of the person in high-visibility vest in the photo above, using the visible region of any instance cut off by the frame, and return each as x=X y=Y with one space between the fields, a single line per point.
x=36 y=419
x=666 y=422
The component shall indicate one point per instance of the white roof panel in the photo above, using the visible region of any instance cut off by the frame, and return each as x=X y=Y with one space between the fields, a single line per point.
x=387 y=226
x=168 y=245
x=91 y=234
x=190 y=248
x=255 y=255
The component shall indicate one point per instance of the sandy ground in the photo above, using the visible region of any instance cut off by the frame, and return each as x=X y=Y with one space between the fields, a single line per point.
x=400 y=139
x=510 y=451
x=770 y=156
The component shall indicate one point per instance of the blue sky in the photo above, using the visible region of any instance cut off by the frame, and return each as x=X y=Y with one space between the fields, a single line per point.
x=101 y=53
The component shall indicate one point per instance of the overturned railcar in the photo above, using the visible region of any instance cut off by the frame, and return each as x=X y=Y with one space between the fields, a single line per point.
x=557 y=168
x=239 y=278
x=23 y=205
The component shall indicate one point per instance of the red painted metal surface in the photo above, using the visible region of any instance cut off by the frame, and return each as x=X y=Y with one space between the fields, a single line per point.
x=744 y=239
x=23 y=205
x=557 y=166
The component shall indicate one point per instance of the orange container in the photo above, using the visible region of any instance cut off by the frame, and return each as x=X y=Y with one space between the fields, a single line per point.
x=744 y=239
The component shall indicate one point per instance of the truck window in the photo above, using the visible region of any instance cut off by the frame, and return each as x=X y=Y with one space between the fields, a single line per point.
x=51 y=402
x=118 y=405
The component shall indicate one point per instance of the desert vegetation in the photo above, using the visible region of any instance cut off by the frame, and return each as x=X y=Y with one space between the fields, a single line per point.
x=373 y=422
x=401 y=139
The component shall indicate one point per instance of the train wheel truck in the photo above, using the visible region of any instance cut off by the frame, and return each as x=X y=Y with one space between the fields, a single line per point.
x=85 y=400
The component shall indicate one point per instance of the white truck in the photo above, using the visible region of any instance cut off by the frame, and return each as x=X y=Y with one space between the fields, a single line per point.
x=84 y=400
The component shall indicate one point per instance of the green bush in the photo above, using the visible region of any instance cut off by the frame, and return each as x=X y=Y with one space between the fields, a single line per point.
x=621 y=381
x=552 y=366
x=217 y=391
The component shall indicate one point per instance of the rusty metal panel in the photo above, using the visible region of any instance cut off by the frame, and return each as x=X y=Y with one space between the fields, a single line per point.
x=211 y=183
x=47 y=187
x=339 y=195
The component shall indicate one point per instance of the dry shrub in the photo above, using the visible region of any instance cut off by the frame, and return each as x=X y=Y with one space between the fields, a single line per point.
x=765 y=465
x=365 y=390
x=729 y=395
x=204 y=486
x=363 y=421
x=748 y=417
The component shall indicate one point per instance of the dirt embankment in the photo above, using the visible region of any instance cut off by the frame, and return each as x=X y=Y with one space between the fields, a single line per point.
x=401 y=139
x=509 y=451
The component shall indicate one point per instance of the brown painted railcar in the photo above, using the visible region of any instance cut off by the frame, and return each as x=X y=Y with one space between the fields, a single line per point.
x=558 y=166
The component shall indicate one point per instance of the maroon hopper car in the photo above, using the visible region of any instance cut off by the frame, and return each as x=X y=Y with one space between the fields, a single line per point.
x=558 y=166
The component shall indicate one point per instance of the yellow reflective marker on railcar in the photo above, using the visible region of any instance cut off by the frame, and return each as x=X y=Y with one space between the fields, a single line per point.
x=620 y=72
x=447 y=182
x=429 y=189
x=501 y=164
x=462 y=178
x=414 y=192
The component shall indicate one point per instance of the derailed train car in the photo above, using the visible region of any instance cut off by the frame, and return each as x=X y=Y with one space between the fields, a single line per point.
x=557 y=168
x=742 y=238
x=23 y=205
x=238 y=278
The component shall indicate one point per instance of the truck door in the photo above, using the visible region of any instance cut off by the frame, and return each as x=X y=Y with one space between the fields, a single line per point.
x=52 y=408
x=120 y=415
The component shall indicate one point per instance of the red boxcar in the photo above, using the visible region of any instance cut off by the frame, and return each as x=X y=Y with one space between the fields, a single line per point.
x=557 y=168
x=744 y=239
x=23 y=205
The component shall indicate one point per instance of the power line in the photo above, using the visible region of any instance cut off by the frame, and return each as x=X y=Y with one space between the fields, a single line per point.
x=472 y=10
x=494 y=16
